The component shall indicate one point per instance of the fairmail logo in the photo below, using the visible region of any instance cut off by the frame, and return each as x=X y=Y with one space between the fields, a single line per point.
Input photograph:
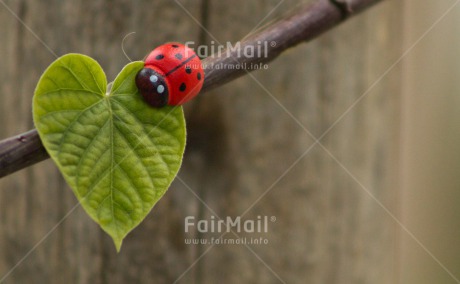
x=258 y=49
x=228 y=224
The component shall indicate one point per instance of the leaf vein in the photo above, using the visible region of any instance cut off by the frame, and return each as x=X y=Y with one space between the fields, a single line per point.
x=157 y=153
x=64 y=134
x=125 y=173
x=92 y=75
x=85 y=151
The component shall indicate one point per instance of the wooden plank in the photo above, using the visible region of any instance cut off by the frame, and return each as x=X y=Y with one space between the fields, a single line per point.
x=242 y=139
x=34 y=200
x=327 y=228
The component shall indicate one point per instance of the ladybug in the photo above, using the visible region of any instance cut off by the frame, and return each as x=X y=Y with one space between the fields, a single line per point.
x=172 y=75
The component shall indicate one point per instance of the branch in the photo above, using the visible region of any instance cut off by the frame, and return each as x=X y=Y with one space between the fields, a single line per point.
x=305 y=24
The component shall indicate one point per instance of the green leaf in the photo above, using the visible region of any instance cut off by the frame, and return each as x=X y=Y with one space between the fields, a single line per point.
x=118 y=154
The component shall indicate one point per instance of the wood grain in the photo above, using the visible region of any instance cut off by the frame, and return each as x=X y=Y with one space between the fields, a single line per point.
x=244 y=151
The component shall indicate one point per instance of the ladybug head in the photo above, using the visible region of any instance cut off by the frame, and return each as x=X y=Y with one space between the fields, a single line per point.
x=152 y=87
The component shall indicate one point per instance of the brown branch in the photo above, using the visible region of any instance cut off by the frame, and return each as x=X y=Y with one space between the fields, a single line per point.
x=21 y=151
x=305 y=24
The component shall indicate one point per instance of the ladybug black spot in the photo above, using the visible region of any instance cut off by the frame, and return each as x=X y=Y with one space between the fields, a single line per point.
x=175 y=45
x=182 y=87
x=188 y=70
x=198 y=76
x=159 y=57
x=178 y=56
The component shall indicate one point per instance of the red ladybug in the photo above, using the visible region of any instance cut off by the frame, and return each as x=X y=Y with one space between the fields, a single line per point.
x=172 y=75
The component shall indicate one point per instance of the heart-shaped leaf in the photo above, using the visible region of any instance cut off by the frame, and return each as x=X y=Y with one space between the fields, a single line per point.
x=118 y=154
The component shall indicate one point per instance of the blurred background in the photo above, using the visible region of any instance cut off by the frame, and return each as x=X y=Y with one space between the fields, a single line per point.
x=374 y=202
x=430 y=140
